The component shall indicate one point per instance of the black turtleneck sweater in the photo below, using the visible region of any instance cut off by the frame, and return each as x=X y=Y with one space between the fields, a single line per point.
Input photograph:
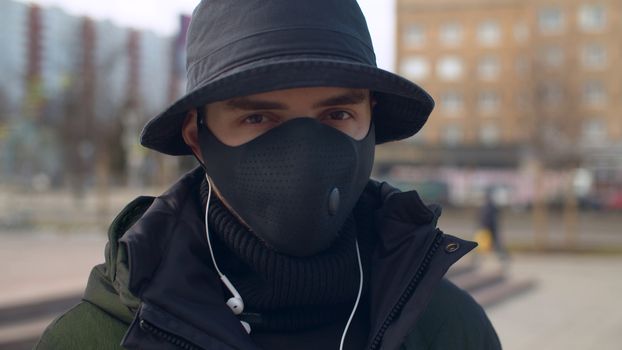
x=326 y=337
x=295 y=303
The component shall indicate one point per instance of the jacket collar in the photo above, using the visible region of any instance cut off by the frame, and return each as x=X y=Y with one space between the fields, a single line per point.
x=177 y=289
x=410 y=260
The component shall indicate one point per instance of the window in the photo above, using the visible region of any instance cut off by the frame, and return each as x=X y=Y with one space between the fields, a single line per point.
x=594 y=132
x=551 y=20
x=594 y=56
x=488 y=101
x=488 y=68
x=552 y=56
x=451 y=102
x=414 y=35
x=452 y=135
x=592 y=17
x=594 y=93
x=450 y=68
x=489 y=134
x=415 y=68
x=451 y=34
x=521 y=32
x=489 y=33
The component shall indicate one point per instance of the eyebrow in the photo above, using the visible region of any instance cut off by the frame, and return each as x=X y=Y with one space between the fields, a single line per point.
x=348 y=98
x=245 y=103
x=351 y=97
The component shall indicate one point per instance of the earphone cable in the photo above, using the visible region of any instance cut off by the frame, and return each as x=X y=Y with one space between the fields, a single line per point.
x=358 y=297
x=209 y=242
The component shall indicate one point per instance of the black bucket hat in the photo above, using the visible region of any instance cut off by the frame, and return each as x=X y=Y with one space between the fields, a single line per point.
x=243 y=47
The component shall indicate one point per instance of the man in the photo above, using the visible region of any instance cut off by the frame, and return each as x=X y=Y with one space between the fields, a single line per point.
x=279 y=240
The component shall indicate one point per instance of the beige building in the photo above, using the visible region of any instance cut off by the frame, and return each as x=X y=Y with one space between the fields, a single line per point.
x=511 y=77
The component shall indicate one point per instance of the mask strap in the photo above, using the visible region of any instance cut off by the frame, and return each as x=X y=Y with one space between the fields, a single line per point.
x=200 y=117
x=200 y=129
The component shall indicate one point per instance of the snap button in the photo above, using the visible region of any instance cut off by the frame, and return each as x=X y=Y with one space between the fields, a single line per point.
x=452 y=247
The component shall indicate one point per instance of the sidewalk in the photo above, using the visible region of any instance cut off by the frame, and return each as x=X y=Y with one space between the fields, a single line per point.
x=575 y=304
x=36 y=267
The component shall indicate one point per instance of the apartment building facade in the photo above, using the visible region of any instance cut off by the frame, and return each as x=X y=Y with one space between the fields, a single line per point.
x=514 y=80
x=510 y=73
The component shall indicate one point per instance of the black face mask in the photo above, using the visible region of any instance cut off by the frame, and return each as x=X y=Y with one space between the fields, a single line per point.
x=294 y=185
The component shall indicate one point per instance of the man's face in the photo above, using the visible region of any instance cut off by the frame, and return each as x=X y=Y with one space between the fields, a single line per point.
x=239 y=120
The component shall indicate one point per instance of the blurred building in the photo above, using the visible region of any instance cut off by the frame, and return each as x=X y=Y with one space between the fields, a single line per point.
x=13 y=40
x=514 y=81
x=74 y=92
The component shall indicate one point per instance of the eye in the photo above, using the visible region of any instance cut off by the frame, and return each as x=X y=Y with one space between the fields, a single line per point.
x=255 y=119
x=339 y=115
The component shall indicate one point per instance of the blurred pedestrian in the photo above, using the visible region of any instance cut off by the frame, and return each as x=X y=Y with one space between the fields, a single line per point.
x=279 y=239
x=489 y=224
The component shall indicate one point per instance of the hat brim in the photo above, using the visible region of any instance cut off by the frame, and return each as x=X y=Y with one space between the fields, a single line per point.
x=402 y=107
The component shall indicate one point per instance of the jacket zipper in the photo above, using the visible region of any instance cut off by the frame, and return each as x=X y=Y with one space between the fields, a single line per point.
x=409 y=290
x=167 y=336
x=184 y=344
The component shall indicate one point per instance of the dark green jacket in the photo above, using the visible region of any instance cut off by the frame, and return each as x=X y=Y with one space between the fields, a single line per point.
x=155 y=292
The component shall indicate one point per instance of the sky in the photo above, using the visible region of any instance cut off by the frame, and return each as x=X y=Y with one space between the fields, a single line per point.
x=161 y=17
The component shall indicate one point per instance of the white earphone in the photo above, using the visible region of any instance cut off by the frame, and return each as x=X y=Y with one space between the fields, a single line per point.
x=235 y=303
x=358 y=297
